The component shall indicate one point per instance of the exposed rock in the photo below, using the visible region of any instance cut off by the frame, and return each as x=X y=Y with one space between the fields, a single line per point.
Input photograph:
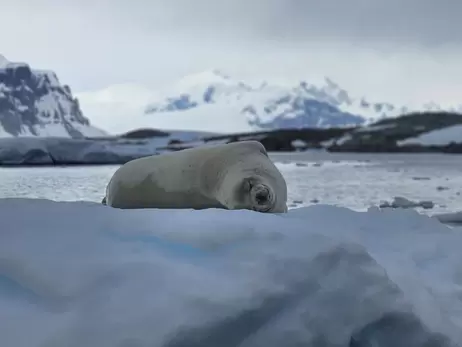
x=34 y=103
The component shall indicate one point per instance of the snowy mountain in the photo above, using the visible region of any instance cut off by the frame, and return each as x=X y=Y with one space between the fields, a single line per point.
x=34 y=103
x=217 y=96
x=266 y=106
x=214 y=101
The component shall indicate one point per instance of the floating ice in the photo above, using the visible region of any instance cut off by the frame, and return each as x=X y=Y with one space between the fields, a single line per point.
x=84 y=274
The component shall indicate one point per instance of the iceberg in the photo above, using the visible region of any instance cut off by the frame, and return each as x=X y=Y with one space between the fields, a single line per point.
x=80 y=274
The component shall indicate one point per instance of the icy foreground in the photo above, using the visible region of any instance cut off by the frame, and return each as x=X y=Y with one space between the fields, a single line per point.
x=83 y=274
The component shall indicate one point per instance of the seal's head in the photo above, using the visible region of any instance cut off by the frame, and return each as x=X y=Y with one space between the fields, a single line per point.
x=258 y=195
x=252 y=182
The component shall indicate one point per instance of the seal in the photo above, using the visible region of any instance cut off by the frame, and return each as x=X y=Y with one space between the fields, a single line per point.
x=233 y=176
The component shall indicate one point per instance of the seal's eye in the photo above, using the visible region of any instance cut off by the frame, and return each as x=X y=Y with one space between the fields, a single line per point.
x=247 y=185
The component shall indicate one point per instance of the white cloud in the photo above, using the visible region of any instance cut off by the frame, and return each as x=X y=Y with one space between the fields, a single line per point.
x=403 y=51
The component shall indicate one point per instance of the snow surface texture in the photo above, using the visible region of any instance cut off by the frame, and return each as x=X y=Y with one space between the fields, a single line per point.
x=83 y=274
x=34 y=103
x=439 y=137
x=54 y=150
x=214 y=101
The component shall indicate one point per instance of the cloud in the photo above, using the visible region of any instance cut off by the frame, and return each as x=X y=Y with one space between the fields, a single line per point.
x=425 y=23
x=412 y=22
x=370 y=46
x=419 y=23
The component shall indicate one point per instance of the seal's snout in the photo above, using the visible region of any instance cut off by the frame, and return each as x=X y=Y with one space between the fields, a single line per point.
x=262 y=196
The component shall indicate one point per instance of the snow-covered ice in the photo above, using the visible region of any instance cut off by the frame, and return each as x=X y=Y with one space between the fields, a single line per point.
x=84 y=274
x=439 y=137
x=50 y=150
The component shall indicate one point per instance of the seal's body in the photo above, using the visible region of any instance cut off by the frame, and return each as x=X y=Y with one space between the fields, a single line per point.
x=232 y=176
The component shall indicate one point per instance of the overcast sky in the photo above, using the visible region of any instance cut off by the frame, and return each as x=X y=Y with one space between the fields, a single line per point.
x=398 y=50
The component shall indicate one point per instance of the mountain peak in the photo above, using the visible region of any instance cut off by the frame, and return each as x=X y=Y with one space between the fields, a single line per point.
x=34 y=103
x=206 y=86
x=3 y=61
x=205 y=78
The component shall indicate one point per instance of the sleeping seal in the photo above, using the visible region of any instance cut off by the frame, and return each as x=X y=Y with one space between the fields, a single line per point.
x=232 y=176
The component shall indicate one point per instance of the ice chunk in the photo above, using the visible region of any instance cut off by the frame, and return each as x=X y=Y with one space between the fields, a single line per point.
x=83 y=274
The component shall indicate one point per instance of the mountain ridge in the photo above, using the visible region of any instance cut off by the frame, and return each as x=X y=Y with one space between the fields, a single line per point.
x=34 y=103
x=214 y=101
x=270 y=106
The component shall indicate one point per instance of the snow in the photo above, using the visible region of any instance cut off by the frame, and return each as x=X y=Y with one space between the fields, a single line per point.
x=299 y=144
x=55 y=111
x=235 y=105
x=84 y=274
x=3 y=62
x=51 y=129
x=209 y=118
x=46 y=108
x=440 y=137
x=13 y=65
x=118 y=110
x=53 y=79
x=342 y=140
x=51 y=75
x=116 y=107
x=59 y=130
x=89 y=130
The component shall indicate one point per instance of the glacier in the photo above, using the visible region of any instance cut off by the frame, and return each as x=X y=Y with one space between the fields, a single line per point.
x=83 y=274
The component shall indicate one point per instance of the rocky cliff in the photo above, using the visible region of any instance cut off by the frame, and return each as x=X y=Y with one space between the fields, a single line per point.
x=35 y=103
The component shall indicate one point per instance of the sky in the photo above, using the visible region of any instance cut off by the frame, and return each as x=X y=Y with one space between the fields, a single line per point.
x=396 y=50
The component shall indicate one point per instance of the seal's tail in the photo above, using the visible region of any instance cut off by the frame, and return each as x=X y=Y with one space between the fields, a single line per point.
x=103 y=201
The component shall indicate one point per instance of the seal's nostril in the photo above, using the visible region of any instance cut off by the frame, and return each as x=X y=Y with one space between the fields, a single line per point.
x=261 y=197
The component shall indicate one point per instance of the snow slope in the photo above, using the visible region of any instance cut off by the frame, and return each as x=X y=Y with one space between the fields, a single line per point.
x=83 y=274
x=34 y=103
x=214 y=101
x=439 y=137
